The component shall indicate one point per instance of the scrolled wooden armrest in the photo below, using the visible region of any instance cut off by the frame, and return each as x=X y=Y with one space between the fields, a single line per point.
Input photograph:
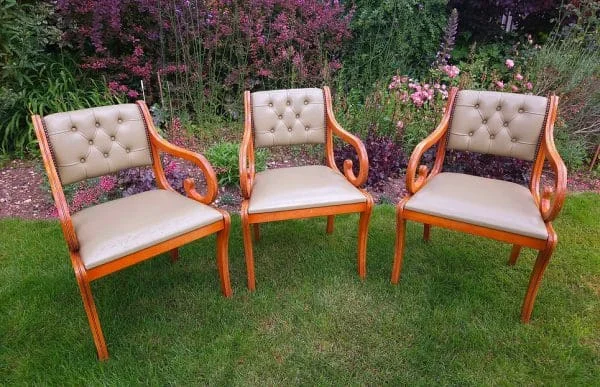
x=552 y=197
x=160 y=144
x=200 y=161
x=246 y=156
x=347 y=137
x=413 y=169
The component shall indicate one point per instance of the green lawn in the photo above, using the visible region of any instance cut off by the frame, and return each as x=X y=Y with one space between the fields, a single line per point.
x=454 y=318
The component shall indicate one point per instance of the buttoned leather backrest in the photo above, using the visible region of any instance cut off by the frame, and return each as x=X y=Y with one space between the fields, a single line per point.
x=503 y=124
x=94 y=142
x=288 y=117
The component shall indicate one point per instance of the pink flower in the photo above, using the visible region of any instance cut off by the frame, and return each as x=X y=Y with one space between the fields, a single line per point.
x=133 y=94
x=519 y=77
x=400 y=125
x=451 y=71
x=514 y=88
x=107 y=183
x=500 y=84
x=529 y=85
x=509 y=63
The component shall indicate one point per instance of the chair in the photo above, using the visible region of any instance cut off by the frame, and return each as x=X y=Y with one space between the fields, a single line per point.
x=114 y=235
x=505 y=124
x=298 y=116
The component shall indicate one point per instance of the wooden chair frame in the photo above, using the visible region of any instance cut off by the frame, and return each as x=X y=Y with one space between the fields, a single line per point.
x=549 y=201
x=86 y=276
x=247 y=173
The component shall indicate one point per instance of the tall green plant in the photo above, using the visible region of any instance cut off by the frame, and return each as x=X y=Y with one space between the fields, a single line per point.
x=391 y=35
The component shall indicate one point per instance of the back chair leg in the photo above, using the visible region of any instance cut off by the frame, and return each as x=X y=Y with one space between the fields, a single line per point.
x=399 y=248
x=223 y=255
x=363 y=232
x=514 y=254
x=248 y=247
x=256 y=229
x=330 y=220
x=426 y=232
x=174 y=255
x=541 y=263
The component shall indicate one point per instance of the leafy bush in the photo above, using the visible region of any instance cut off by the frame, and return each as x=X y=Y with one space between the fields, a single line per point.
x=386 y=158
x=224 y=158
x=32 y=79
x=206 y=53
x=390 y=35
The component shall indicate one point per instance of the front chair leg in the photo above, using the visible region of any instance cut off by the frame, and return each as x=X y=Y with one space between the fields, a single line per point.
x=514 y=254
x=426 y=232
x=90 y=310
x=248 y=247
x=330 y=220
x=541 y=263
x=363 y=231
x=223 y=255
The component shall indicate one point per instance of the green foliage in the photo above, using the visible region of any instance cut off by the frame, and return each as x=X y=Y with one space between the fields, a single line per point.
x=390 y=35
x=32 y=80
x=224 y=158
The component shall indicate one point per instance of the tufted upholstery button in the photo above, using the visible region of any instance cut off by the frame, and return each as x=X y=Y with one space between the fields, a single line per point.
x=91 y=142
x=470 y=134
x=306 y=102
x=112 y=138
x=127 y=150
x=513 y=139
x=106 y=155
x=297 y=115
x=97 y=124
x=476 y=106
x=270 y=104
x=287 y=103
x=492 y=137
x=120 y=121
x=74 y=129
x=506 y=124
x=484 y=121
x=290 y=129
x=280 y=116
x=306 y=128
x=498 y=108
x=521 y=110
x=82 y=160
x=272 y=130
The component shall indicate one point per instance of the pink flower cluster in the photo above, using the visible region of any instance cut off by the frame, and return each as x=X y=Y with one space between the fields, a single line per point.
x=451 y=71
x=419 y=94
x=518 y=84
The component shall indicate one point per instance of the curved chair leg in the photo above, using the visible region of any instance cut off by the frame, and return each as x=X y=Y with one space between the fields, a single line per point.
x=223 y=255
x=363 y=232
x=330 y=220
x=248 y=246
x=256 y=229
x=90 y=308
x=541 y=263
x=174 y=255
x=514 y=254
x=400 y=241
x=426 y=232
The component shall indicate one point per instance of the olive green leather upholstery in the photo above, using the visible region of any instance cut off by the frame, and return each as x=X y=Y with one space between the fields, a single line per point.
x=120 y=227
x=97 y=141
x=495 y=204
x=503 y=124
x=296 y=188
x=288 y=117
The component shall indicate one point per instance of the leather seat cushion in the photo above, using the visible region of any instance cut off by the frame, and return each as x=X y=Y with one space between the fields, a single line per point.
x=296 y=188
x=120 y=227
x=495 y=204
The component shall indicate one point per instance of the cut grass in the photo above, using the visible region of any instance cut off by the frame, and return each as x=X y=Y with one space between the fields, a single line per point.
x=453 y=319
